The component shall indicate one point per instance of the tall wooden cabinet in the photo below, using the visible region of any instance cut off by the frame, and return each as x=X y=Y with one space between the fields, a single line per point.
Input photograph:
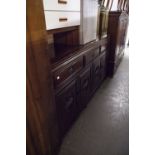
x=117 y=30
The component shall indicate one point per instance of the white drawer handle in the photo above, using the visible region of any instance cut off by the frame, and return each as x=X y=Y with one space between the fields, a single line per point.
x=63 y=19
x=62 y=1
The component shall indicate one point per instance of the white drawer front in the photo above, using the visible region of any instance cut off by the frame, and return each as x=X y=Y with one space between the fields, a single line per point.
x=61 y=19
x=63 y=5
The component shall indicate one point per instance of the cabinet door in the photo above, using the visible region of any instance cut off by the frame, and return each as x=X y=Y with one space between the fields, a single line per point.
x=66 y=107
x=103 y=65
x=96 y=74
x=85 y=82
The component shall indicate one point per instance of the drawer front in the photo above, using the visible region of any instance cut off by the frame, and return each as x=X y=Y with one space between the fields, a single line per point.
x=89 y=56
x=61 y=19
x=62 y=74
x=62 y=5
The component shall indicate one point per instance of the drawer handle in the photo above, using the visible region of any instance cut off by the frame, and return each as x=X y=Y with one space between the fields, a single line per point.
x=63 y=19
x=62 y=2
x=58 y=77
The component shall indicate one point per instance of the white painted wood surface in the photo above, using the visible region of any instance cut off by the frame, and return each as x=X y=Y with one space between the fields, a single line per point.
x=88 y=27
x=52 y=19
x=71 y=5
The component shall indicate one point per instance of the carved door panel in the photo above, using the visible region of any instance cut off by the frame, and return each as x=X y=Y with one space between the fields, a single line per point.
x=96 y=74
x=103 y=66
x=85 y=82
x=66 y=107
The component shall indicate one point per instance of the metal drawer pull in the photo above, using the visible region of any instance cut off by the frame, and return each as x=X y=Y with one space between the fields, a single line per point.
x=58 y=77
x=62 y=2
x=63 y=19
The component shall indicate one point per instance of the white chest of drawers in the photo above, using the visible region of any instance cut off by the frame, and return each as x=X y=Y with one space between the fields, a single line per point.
x=61 y=13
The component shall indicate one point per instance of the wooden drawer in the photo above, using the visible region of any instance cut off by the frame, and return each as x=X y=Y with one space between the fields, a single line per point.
x=90 y=55
x=62 y=5
x=67 y=71
x=56 y=19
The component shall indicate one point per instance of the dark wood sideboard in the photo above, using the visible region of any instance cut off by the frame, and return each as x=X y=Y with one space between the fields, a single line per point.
x=76 y=78
x=117 y=30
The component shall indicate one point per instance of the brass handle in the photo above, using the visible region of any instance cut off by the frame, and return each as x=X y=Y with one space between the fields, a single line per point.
x=63 y=19
x=62 y=2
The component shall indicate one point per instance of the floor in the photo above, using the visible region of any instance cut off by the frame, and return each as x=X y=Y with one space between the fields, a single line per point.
x=103 y=127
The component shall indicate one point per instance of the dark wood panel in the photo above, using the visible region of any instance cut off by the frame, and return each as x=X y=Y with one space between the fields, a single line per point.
x=103 y=66
x=66 y=107
x=83 y=95
x=96 y=77
x=41 y=122
x=91 y=55
x=67 y=38
x=118 y=24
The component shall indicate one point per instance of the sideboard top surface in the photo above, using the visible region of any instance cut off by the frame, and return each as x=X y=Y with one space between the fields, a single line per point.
x=76 y=52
